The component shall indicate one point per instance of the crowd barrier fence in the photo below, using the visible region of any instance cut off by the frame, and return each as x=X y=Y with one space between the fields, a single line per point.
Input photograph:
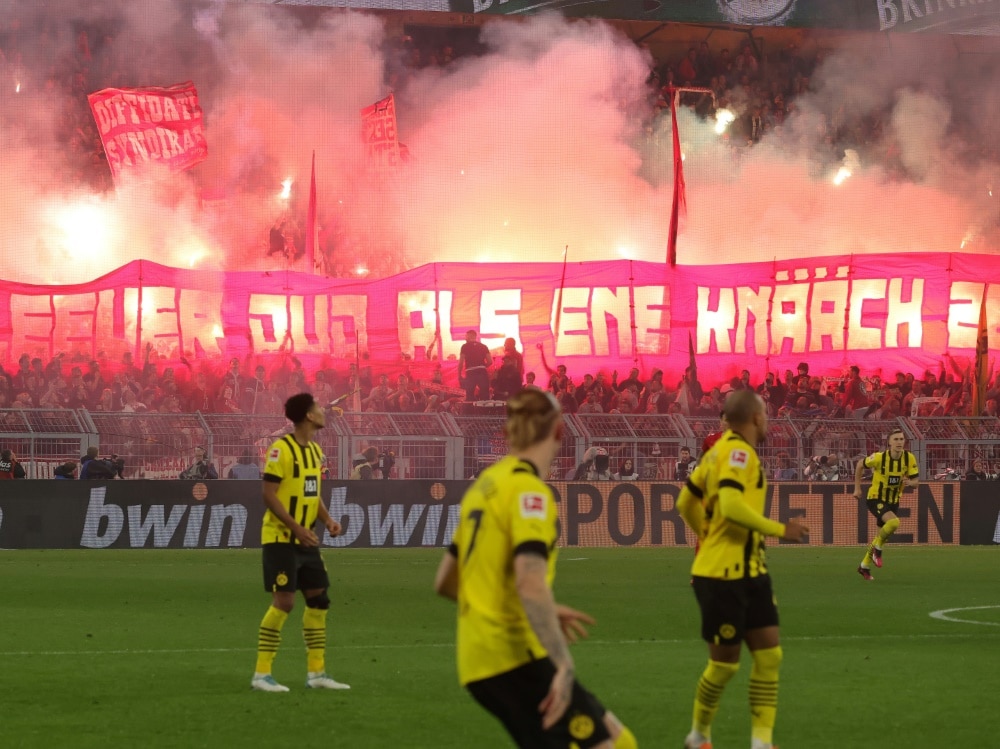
x=444 y=446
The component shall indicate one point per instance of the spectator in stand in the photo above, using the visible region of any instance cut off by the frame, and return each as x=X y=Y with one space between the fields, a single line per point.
x=246 y=468
x=656 y=400
x=687 y=69
x=632 y=381
x=366 y=468
x=559 y=380
x=583 y=390
x=529 y=380
x=785 y=471
x=10 y=467
x=627 y=401
x=592 y=404
x=65 y=472
x=227 y=402
x=685 y=464
x=202 y=468
x=857 y=397
x=689 y=391
x=252 y=391
x=510 y=350
x=321 y=389
x=626 y=471
x=977 y=473
x=712 y=438
x=92 y=467
x=474 y=361
x=376 y=400
x=507 y=380
x=567 y=401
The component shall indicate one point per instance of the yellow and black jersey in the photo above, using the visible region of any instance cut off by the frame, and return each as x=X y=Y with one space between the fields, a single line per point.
x=296 y=470
x=723 y=500
x=889 y=473
x=508 y=510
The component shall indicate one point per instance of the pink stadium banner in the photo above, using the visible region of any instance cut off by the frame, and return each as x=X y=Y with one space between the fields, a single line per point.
x=885 y=313
x=152 y=125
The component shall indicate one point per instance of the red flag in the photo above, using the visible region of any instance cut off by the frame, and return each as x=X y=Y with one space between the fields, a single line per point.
x=311 y=221
x=679 y=202
x=981 y=372
x=378 y=132
x=143 y=126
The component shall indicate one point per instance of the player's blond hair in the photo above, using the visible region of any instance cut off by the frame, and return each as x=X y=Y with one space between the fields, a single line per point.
x=531 y=416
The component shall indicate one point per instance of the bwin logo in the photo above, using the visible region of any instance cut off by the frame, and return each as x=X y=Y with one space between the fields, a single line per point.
x=757 y=12
x=159 y=526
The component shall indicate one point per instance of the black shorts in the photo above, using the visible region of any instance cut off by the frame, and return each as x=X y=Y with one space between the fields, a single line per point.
x=878 y=508
x=730 y=608
x=513 y=697
x=291 y=567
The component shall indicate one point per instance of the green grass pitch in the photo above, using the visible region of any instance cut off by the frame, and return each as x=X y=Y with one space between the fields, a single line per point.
x=155 y=649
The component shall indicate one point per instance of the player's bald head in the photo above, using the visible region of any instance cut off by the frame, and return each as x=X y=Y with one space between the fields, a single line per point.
x=741 y=407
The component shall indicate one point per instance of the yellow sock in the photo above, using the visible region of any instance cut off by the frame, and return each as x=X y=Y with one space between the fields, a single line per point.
x=887 y=530
x=314 y=633
x=626 y=740
x=764 y=693
x=268 y=638
x=706 y=701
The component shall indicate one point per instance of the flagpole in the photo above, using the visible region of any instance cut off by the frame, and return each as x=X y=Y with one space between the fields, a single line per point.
x=562 y=284
x=311 y=221
x=678 y=200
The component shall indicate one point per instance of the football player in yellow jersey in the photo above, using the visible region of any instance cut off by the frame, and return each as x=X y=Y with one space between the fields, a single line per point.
x=513 y=653
x=291 y=547
x=723 y=503
x=893 y=470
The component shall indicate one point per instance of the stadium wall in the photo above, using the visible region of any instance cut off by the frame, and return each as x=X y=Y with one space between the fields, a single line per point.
x=227 y=514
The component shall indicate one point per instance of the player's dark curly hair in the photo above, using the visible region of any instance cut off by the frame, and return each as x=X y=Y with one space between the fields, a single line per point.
x=531 y=415
x=298 y=406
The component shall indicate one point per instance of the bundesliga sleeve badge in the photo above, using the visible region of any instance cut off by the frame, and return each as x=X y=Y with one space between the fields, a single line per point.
x=739 y=458
x=532 y=506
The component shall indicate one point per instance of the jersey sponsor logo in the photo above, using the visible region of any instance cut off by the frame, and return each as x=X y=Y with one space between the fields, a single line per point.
x=532 y=506
x=894 y=480
x=581 y=727
x=739 y=458
x=274 y=454
x=311 y=486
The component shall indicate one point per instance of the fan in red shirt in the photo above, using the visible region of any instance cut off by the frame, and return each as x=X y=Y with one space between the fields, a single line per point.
x=712 y=438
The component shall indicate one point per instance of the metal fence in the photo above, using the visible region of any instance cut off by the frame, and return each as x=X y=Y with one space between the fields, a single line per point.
x=444 y=446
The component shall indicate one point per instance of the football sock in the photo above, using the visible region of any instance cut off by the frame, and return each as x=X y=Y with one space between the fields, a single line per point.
x=268 y=638
x=314 y=633
x=887 y=530
x=764 y=693
x=883 y=535
x=706 y=701
x=626 y=740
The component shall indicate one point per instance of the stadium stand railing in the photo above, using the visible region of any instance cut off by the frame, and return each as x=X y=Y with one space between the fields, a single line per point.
x=43 y=438
x=447 y=446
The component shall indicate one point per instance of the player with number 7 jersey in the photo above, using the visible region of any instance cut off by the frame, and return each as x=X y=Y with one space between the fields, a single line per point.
x=507 y=511
x=513 y=638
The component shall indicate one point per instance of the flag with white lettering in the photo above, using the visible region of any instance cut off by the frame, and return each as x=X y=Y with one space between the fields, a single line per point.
x=378 y=132
x=152 y=125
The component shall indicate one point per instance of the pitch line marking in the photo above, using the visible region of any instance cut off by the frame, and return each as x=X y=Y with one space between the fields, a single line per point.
x=411 y=646
x=943 y=615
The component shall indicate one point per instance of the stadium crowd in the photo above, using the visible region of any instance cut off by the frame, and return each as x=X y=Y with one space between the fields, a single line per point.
x=252 y=387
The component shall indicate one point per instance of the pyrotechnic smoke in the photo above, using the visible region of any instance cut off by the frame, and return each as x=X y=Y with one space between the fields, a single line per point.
x=532 y=145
